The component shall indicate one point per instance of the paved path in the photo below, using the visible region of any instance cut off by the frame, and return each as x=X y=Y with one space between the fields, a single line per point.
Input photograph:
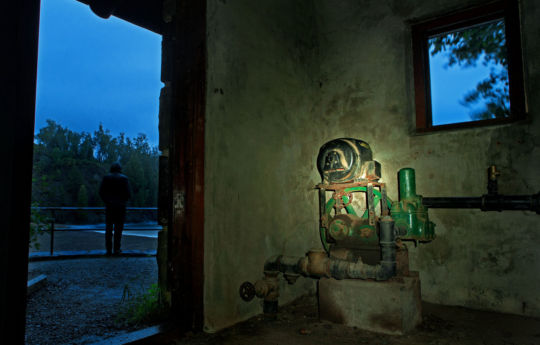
x=89 y=241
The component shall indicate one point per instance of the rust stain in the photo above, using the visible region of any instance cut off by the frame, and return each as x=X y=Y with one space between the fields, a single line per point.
x=366 y=232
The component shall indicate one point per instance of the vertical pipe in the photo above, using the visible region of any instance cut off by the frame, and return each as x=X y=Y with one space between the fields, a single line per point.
x=388 y=248
x=322 y=210
x=384 y=203
x=407 y=183
x=322 y=201
x=492 y=185
x=370 y=204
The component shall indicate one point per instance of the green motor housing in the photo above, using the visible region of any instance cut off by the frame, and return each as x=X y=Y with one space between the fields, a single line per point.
x=410 y=215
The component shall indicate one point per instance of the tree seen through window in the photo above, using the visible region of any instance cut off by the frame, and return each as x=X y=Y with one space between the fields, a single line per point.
x=469 y=74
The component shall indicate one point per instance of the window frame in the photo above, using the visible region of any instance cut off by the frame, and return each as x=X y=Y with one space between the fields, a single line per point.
x=507 y=10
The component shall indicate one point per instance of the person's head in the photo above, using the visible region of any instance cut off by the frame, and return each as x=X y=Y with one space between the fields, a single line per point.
x=116 y=168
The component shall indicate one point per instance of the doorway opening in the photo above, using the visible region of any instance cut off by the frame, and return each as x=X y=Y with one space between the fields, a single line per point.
x=97 y=104
x=182 y=25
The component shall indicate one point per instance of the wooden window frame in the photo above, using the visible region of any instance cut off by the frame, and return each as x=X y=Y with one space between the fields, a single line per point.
x=507 y=10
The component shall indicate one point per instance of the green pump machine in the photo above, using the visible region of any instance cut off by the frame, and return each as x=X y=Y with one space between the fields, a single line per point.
x=363 y=232
x=349 y=172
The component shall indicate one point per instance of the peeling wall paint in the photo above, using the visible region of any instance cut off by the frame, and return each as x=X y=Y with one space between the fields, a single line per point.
x=284 y=77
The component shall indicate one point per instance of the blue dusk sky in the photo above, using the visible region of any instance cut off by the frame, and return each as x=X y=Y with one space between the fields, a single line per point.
x=449 y=86
x=93 y=70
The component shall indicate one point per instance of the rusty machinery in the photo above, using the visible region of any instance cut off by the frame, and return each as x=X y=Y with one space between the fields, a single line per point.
x=362 y=231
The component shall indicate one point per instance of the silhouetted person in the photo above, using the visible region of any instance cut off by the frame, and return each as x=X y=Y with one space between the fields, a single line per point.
x=115 y=192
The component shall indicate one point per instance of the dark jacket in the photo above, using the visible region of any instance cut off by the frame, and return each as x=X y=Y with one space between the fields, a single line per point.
x=114 y=189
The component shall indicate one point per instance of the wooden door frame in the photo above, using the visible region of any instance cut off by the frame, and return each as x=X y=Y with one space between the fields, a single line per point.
x=20 y=27
x=186 y=164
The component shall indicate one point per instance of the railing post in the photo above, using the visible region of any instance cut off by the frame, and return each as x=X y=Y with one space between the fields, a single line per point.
x=52 y=232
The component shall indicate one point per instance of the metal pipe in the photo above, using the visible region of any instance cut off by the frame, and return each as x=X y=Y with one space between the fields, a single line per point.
x=342 y=269
x=407 y=183
x=317 y=264
x=284 y=264
x=488 y=202
x=452 y=202
x=492 y=186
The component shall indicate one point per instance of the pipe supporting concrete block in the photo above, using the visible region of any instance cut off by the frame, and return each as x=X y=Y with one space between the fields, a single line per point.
x=390 y=307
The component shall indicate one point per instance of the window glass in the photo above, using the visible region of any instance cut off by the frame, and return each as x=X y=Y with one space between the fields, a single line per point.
x=468 y=68
x=468 y=71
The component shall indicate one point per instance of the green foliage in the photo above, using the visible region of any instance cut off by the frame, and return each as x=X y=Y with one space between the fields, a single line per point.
x=145 y=308
x=82 y=196
x=82 y=201
x=485 y=43
x=39 y=223
x=69 y=166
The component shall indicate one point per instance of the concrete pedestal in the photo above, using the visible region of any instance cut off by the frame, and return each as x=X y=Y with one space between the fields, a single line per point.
x=391 y=307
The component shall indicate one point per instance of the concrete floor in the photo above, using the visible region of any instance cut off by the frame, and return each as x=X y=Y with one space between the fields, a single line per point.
x=298 y=323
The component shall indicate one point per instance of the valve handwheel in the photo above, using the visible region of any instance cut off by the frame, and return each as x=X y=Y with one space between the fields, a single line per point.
x=247 y=291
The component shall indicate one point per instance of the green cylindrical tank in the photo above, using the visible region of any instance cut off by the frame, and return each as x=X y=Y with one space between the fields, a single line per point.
x=407 y=183
x=410 y=215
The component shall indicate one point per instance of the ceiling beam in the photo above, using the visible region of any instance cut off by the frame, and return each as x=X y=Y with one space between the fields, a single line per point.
x=143 y=13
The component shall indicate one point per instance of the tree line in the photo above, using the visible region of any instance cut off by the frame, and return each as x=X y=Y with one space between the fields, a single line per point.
x=69 y=166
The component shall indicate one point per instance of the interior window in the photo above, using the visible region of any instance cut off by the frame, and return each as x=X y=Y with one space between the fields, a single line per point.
x=468 y=68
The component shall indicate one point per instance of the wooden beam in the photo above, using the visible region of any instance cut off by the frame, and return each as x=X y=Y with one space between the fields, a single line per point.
x=186 y=164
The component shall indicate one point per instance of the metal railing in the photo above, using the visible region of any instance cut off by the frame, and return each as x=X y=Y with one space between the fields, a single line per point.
x=53 y=212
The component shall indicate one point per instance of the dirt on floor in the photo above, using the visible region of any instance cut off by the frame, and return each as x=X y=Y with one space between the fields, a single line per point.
x=298 y=324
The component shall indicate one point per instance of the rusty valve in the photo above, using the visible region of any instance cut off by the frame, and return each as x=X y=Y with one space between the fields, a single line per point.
x=247 y=291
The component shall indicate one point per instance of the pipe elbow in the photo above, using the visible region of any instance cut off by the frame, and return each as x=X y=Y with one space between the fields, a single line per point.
x=386 y=270
x=272 y=263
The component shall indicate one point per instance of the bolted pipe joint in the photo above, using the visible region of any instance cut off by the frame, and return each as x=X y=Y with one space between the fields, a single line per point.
x=315 y=264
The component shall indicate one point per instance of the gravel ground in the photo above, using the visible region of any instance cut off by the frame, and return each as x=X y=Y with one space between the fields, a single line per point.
x=81 y=299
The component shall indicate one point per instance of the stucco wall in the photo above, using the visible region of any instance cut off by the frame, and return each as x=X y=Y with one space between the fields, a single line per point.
x=479 y=260
x=259 y=176
x=286 y=76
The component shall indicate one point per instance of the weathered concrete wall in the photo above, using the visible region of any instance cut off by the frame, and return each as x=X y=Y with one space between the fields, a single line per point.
x=259 y=197
x=286 y=76
x=479 y=260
